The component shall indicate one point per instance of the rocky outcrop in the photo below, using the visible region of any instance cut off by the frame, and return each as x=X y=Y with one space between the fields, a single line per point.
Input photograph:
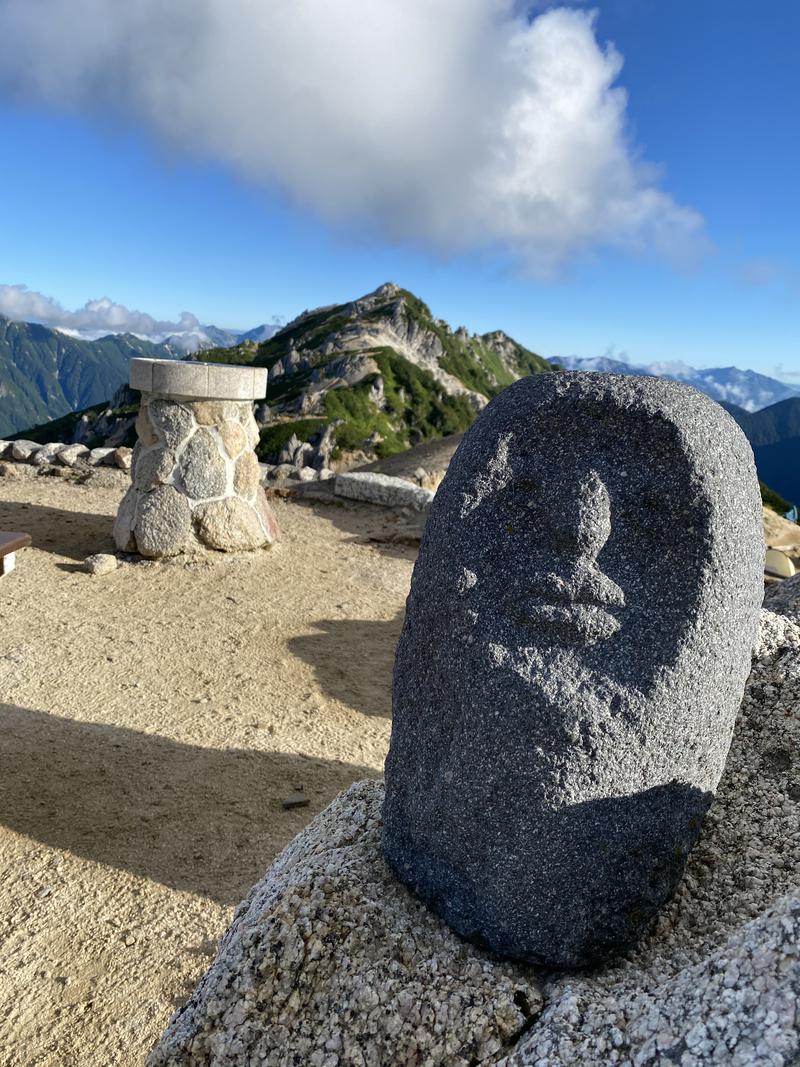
x=330 y=961
x=408 y=377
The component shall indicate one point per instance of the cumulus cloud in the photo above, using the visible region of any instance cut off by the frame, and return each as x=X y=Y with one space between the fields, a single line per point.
x=458 y=124
x=95 y=319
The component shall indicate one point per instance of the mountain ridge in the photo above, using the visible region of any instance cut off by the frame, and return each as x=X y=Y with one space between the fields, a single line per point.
x=383 y=370
x=746 y=389
x=372 y=376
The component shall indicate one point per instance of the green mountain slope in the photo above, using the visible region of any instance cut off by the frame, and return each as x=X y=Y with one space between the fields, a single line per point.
x=382 y=369
x=45 y=374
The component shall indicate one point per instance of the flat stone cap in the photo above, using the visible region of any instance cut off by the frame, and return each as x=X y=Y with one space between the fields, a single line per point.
x=201 y=381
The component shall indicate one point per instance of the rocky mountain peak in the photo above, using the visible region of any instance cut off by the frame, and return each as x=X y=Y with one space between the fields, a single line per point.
x=381 y=364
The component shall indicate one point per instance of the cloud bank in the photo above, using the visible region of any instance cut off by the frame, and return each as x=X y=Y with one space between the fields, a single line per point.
x=455 y=124
x=95 y=319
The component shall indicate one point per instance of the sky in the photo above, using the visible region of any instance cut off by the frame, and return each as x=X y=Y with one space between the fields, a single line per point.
x=618 y=179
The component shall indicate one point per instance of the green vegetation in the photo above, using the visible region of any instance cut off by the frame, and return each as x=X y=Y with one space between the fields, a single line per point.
x=274 y=437
x=473 y=362
x=773 y=500
x=417 y=408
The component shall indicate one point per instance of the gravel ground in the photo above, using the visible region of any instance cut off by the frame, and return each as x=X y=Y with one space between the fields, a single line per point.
x=152 y=722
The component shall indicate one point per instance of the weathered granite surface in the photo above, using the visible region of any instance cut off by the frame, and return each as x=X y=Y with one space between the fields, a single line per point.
x=576 y=642
x=330 y=960
x=717 y=981
x=382 y=489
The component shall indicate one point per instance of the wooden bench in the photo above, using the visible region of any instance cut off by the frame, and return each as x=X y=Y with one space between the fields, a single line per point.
x=10 y=544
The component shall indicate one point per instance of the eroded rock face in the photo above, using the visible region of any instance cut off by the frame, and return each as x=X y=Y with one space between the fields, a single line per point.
x=576 y=644
x=195 y=481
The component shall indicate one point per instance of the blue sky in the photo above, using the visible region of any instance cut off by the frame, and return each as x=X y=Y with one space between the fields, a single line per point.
x=248 y=204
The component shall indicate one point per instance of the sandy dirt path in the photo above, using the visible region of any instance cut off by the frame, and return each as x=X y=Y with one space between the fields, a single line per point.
x=152 y=722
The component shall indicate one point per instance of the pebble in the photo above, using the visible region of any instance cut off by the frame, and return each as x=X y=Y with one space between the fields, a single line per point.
x=100 y=563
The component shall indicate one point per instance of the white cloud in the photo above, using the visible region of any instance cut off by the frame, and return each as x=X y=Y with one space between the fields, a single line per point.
x=458 y=124
x=95 y=319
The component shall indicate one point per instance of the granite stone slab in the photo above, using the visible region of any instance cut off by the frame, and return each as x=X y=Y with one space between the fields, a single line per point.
x=188 y=379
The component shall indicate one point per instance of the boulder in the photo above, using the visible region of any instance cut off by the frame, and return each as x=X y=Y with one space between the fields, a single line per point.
x=382 y=489
x=163 y=523
x=22 y=451
x=576 y=643
x=230 y=525
x=101 y=457
x=233 y=437
x=123 y=457
x=202 y=466
x=281 y=471
x=46 y=455
x=331 y=961
x=72 y=455
x=153 y=467
x=173 y=422
x=247 y=475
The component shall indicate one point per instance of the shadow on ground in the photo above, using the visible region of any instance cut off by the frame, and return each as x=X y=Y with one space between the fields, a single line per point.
x=74 y=534
x=192 y=818
x=331 y=650
x=367 y=524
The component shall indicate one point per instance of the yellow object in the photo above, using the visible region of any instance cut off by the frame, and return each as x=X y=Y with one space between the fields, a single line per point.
x=778 y=564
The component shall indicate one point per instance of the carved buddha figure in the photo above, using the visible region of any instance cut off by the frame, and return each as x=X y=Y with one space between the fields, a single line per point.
x=574 y=650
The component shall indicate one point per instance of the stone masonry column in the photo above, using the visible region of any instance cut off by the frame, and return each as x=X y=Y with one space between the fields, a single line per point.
x=195 y=476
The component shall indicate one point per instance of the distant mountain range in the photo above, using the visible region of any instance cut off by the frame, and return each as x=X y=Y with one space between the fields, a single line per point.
x=744 y=388
x=379 y=374
x=45 y=373
x=188 y=341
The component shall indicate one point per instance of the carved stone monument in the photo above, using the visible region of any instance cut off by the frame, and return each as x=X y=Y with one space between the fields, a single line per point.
x=195 y=475
x=576 y=644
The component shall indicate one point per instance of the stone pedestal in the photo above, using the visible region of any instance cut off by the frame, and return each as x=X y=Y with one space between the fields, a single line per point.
x=195 y=476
